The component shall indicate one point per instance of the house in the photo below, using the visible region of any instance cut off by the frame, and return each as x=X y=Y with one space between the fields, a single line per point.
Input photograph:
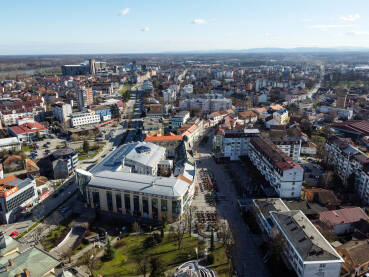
x=356 y=255
x=13 y=163
x=341 y=220
x=10 y=144
x=324 y=197
x=248 y=117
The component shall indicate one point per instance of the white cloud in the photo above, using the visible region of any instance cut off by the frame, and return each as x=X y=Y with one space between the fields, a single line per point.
x=124 y=12
x=326 y=27
x=357 y=33
x=199 y=21
x=145 y=29
x=350 y=17
x=306 y=20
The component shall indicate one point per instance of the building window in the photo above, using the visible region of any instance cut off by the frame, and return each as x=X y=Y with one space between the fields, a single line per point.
x=154 y=208
x=96 y=199
x=145 y=206
x=127 y=202
x=164 y=205
x=136 y=205
x=118 y=200
x=109 y=199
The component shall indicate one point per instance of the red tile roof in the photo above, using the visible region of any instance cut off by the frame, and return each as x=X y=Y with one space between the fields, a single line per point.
x=343 y=216
x=26 y=128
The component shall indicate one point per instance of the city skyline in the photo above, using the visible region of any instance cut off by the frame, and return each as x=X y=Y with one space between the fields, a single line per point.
x=43 y=27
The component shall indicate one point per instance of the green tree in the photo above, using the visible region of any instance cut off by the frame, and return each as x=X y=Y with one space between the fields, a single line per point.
x=114 y=111
x=158 y=267
x=86 y=146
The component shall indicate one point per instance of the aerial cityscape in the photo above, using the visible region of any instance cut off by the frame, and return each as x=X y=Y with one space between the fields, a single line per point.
x=197 y=139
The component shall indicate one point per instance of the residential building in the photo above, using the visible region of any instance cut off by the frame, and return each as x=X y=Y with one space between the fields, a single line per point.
x=84 y=118
x=186 y=90
x=283 y=174
x=341 y=221
x=352 y=128
x=153 y=126
x=308 y=148
x=179 y=119
x=306 y=250
x=85 y=98
x=170 y=142
x=169 y=95
x=207 y=103
x=291 y=146
x=236 y=142
x=62 y=111
x=15 y=194
x=262 y=208
x=356 y=255
x=248 y=117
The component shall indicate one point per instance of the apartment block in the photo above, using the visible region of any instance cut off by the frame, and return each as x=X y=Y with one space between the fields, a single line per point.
x=283 y=173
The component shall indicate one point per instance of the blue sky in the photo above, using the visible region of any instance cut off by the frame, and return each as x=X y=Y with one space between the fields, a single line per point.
x=121 y=26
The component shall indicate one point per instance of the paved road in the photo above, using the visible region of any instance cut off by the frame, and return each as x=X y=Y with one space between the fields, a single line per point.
x=247 y=257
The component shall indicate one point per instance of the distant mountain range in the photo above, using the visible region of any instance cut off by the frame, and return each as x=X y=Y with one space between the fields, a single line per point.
x=282 y=50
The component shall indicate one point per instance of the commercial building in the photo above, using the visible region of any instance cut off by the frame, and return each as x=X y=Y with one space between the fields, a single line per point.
x=14 y=195
x=31 y=262
x=125 y=183
x=306 y=250
x=84 y=118
x=12 y=143
x=283 y=174
x=60 y=164
x=28 y=131
x=62 y=111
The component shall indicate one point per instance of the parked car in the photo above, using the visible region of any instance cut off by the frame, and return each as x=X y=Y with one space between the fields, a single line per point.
x=14 y=234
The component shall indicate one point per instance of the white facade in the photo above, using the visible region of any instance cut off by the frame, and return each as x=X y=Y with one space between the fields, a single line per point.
x=290 y=146
x=80 y=119
x=186 y=90
x=235 y=143
x=306 y=250
x=179 y=119
x=207 y=103
x=62 y=111
x=283 y=174
x=10 y=143
x=169 y=95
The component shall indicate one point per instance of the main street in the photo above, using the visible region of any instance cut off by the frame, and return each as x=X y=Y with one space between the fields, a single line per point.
x=247 y=256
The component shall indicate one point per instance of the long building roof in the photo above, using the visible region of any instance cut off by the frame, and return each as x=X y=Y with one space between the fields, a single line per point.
x=139 y=183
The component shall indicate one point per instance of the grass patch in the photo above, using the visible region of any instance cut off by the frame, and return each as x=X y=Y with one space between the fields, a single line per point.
x=54 y=237
x=220 y=265
x=27 y=148
x=129 y=249
x=86 y=156
x=28 y=230
x=81 y=246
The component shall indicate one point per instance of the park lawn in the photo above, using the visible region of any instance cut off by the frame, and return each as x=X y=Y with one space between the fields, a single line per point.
x=220 y=265
x=85 y=156
x=54 y=237
x=126 y=256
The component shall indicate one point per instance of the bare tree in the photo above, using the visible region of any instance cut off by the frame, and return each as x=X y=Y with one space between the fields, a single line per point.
x=136 y=227
x=90 y=259
x=143 y=263
x=189 y=215
x=225 y=233
x=68 y=254
x=180 y=230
